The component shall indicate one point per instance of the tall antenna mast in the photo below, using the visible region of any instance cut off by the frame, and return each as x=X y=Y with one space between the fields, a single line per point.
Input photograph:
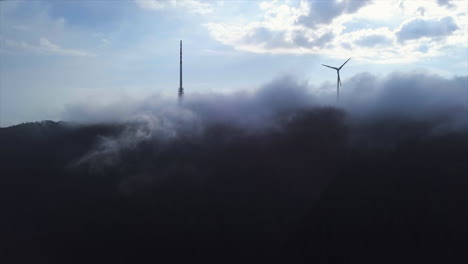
x=181 y=90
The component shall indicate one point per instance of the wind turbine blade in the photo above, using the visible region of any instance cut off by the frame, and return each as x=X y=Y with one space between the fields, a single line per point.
x=330 y=67
x=339 y=79
x=343 y=64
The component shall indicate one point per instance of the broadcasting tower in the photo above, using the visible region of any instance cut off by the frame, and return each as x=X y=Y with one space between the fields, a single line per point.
x=181 y=90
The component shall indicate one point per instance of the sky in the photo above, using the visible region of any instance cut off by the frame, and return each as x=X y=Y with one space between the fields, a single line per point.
x=56 y=54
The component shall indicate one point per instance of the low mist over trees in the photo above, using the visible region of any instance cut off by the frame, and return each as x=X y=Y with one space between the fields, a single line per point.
x=317 y=186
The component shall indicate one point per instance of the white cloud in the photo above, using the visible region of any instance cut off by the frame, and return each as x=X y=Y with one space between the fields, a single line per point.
x=373 y=40
x=324 y=12
x=45 y=46
x=364 y=30
x=429 y=28
x=445 y=3
x=193 y=6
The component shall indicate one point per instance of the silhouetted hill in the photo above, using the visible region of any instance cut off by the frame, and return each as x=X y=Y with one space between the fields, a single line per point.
x=317 y=188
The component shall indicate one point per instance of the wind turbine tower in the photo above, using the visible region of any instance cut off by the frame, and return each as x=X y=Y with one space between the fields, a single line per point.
x=181 y=90
x=338 y=81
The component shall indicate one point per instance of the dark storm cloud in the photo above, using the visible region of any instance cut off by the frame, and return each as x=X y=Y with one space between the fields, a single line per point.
x=431 y=28
x=373 y=40
x=323 y=12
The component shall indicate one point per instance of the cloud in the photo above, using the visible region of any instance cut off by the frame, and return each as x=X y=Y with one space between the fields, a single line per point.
x=416 y=95
x=445 y=3
x=357 y=28
x=429 y=28
x=244 y=109
x=323 y=12
x=45 y=46
x=194 y=6
x=373 y=40
x=319 y=41
x=411 y=96
x=48 y=46
x=253 y=110
x=266 y=37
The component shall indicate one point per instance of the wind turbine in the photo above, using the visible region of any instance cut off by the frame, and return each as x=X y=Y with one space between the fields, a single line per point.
x=338 y=81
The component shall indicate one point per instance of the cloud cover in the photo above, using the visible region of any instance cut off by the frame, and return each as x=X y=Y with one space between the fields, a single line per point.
x=366 y=29
x=276 y=173
x=194 y=6
x=412 y=97
x=324 y=12
x=416 y=94
x=419 y=28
